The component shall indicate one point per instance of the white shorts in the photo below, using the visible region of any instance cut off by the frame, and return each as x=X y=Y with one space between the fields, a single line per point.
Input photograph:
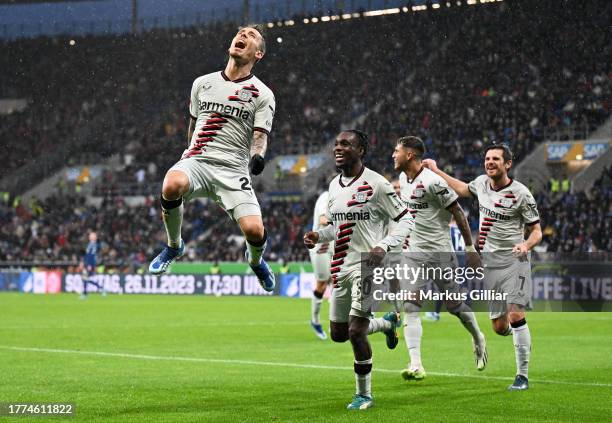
x=352 y=297
x=513 y=280
x=226 y=186
x=320 y=257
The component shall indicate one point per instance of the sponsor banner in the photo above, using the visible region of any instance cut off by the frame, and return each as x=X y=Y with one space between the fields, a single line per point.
x=217 y=285
x=47 y=282
x=9 y=281
x=298 y=285
x=557 y=152
x=581 y=150
x=592 y=150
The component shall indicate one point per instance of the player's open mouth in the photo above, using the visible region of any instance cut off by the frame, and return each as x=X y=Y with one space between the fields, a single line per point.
x=240 y=44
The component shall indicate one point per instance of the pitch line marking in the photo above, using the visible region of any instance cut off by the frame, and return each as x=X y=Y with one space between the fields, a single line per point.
x=279 y=364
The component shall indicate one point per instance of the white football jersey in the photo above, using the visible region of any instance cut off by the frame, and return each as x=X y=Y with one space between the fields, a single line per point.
x=358 y=209
x=227 y=112
x=427 y=197
x=503 y=214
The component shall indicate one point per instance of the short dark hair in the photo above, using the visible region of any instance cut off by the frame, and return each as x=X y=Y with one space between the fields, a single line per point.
x=413 y=142
x=261 y=30
x=506 y=152
x=362 y=138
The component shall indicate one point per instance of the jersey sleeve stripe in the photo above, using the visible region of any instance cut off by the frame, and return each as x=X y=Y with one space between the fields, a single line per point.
x=397 y=219
x=265 y=131
x=533 y=223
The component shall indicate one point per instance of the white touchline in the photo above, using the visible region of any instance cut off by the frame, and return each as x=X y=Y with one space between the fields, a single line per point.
x=278 y=364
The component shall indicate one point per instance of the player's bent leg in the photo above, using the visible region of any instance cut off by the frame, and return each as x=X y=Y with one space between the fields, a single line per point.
x=467 y=318
x=256 y=237
x=413 y=332
x=176 y=184
x=358 y=334
x=522 y=346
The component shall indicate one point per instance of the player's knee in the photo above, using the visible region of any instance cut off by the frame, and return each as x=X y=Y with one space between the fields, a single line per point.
x=357 y=334
x=339 y=332
x=516 y=316
x=176 y=184
x=501 y=327
x=252 y=228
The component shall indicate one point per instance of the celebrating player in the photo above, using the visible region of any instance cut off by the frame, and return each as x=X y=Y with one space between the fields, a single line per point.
x=360 y=202
x=321 y=259
x=506 y=209
x=231 y=117
x=433 y=204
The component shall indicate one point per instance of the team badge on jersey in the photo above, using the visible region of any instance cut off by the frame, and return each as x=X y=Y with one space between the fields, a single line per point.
x=244 y=94
x=507 y=201
x=362 y=196
x=418 y=193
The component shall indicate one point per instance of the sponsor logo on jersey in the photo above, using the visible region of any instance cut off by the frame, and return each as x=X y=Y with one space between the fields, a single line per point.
x=357 y=215
x=418 y=206
x=226 y=109
x=494 y=214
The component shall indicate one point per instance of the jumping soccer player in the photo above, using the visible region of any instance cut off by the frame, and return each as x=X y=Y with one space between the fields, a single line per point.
x=90 y=261
x=360 y=203
x=231 y=117
x=321 y=259
x=506 y=209
x=432 y=204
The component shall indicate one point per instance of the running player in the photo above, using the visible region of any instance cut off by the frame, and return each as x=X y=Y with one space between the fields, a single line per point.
x=360 y=203
x=321 y=259
x=506 y=209
x=433 y=204
x=90 y=261
x=231 y=117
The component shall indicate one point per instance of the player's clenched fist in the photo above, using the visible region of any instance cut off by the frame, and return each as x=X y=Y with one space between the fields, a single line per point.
x=310 y=239
x=430 y=164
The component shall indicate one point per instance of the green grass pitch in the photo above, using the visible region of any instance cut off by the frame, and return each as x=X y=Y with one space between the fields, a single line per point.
x=246 y=359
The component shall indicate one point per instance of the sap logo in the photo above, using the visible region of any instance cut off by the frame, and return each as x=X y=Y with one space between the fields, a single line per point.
x=557 y=151
x=592 y=151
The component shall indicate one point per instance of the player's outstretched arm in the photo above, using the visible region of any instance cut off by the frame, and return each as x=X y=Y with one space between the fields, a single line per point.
x=258 y=151
x=460 y=187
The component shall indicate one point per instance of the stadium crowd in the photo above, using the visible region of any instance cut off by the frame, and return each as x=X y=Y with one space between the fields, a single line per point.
x=449 y=76
x=55 y=230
